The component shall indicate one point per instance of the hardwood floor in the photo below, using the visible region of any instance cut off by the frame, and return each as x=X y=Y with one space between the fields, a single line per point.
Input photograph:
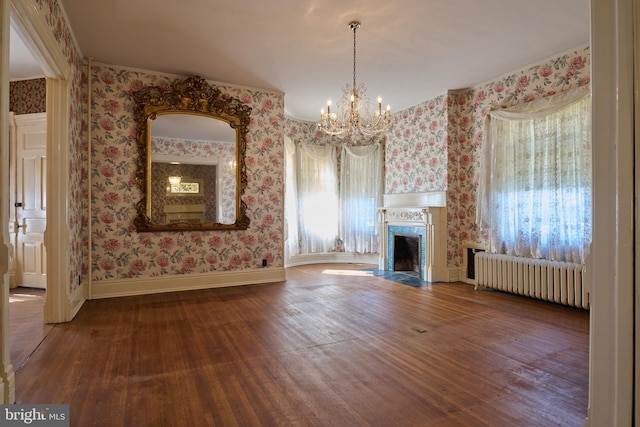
x=331 y=346
x=26 y=323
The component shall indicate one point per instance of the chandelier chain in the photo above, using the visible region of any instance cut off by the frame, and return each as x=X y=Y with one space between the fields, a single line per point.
x=355 y=27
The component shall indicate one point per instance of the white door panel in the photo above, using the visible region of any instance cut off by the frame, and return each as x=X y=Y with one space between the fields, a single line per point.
x=30 y=212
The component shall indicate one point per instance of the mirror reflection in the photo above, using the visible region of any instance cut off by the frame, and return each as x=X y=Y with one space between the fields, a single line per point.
x=192 y=140
x=193 y=170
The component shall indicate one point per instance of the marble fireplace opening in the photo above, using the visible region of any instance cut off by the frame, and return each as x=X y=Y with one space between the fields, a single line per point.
x=406 y=253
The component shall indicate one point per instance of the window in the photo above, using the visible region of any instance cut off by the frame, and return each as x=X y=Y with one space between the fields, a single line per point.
x=184 y=187
x=317 y=198
x=534 y=198
x=335 y=208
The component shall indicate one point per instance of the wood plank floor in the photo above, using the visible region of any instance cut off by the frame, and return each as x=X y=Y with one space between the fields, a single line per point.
x=26 y=323
x=331 y=346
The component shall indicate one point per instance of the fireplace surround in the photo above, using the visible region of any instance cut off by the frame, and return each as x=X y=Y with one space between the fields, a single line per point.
x=422 y=216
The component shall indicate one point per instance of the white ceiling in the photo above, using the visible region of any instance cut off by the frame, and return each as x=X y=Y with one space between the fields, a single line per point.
x=22 y=65
x=408 y=51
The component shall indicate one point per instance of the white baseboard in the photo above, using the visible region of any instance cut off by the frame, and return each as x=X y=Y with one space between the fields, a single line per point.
x=455 y=275
x=172 y=283
x=331 y=257
x=76 y=300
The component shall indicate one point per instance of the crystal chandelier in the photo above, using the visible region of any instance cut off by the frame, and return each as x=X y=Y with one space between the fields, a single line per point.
x=356 y=114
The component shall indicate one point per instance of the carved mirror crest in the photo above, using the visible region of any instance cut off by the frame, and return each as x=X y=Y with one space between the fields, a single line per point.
x=191 y=170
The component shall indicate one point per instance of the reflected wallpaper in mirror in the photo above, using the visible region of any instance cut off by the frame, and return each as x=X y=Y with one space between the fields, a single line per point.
x=183 y=193
x=193 y=172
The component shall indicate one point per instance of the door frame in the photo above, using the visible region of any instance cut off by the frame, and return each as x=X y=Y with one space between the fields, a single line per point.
x=611 y=264
x=32 y=28
x=36 y=34
x=14 y=278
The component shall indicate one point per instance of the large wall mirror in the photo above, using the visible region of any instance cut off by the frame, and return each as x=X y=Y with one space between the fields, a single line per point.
x=191 y=169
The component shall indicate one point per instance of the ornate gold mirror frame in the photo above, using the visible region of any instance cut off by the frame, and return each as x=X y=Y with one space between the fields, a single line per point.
x=191 y=96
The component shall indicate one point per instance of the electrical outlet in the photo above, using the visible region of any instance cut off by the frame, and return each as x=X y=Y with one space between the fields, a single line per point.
x=264 y=262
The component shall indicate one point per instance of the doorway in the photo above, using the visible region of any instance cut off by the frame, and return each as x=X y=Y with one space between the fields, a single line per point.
x=27 y=202
x=34 y=32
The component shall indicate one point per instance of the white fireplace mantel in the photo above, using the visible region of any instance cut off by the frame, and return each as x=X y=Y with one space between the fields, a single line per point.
x=416 y=200
x=426 y=214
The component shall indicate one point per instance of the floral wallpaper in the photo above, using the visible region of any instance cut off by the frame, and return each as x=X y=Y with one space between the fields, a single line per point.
x=300 y=131
x=28 y=96
x=416 y=149
x=119 y=251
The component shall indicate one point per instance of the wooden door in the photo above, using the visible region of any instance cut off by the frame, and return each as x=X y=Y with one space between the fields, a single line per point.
x=30 y=200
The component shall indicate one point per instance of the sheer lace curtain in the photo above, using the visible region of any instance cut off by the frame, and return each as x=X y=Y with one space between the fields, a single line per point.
x=330 y=203
x=360 y=195
x=317 y=198
x=534 y=196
